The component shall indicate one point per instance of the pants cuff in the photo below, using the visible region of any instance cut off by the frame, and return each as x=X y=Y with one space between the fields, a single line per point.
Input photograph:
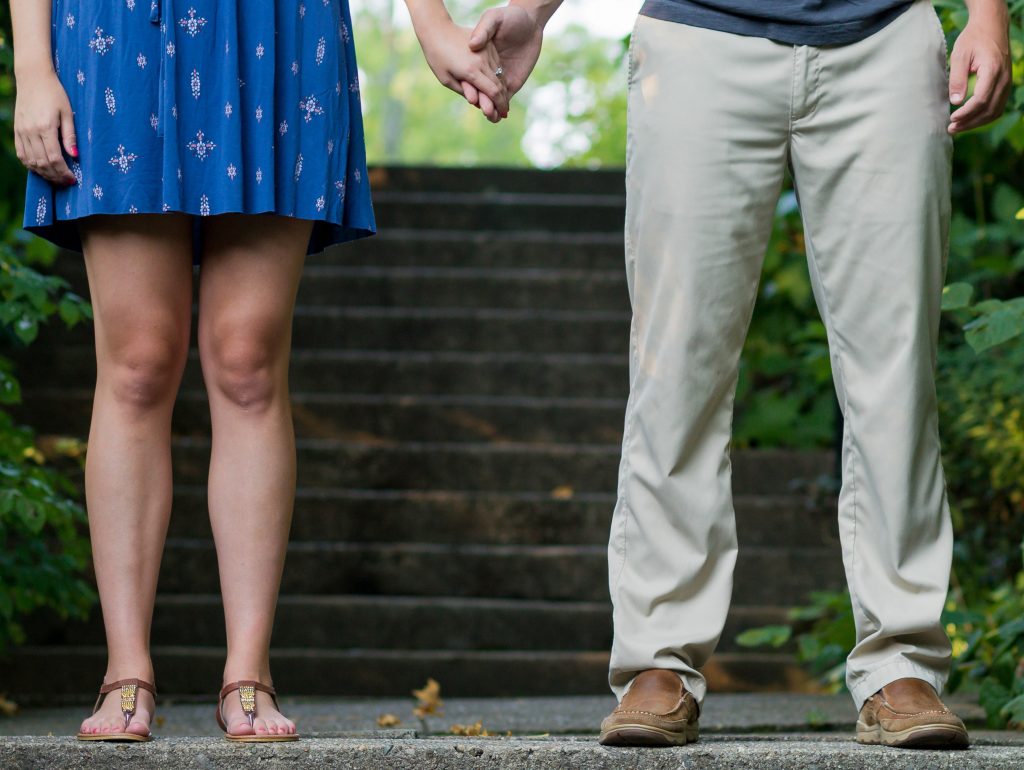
x=873 y=681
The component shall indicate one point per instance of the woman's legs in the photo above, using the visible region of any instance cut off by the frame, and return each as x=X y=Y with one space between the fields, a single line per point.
x=250 y=273
x=140 y=280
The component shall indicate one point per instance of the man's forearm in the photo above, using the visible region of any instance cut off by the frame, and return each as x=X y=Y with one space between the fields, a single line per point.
x=994 y=11
x=541 y=10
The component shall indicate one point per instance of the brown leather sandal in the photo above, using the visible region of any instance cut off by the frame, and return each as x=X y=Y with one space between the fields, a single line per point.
x=129 y=690
x=247 y=695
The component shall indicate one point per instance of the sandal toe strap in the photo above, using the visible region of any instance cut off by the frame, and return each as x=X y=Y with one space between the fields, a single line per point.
x=129 y=695
x=247 y=695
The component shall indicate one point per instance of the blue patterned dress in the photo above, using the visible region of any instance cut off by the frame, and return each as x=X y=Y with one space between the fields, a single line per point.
x=206 y=107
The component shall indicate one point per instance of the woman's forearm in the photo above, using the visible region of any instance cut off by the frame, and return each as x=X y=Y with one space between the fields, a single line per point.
x=425 y=12
x=30 y=22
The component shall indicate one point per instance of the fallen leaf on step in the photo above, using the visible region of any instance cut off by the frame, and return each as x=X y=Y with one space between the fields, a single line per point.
x=564 y=492
x=471 y=730
x=388 y=720
x=160 y=721
x=8 y=707
x=429 y=699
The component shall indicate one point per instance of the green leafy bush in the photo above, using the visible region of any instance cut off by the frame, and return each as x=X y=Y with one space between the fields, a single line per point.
x=43 y=552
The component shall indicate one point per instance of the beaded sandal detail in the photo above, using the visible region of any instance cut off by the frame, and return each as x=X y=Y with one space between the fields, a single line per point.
x=247 y=696
x=129 y=692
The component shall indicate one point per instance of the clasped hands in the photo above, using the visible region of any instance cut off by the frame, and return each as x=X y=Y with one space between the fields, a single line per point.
x=488 y=64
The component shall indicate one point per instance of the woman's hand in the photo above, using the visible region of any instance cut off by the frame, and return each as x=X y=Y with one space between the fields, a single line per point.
x=42 y=120
x=469 y=73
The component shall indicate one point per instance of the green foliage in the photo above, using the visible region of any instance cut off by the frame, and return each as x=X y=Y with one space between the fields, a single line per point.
x=43 y=552
x=988 y=647
x=785 y=396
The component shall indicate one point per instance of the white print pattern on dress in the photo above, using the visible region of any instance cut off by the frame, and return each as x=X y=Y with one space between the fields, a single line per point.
x=298 y=167
x=101 y=44
x=259 y=51
x=200 y=147
x=321 y=49
x=154 y=121
x=70 y=21
x=311 y=106
x=320 y=203
x=76 y=169
x=97 y=191
x=196 y=85
x=259 y=176
x=204 y=206
x=130 y=4
x=41 y=210
x=170 y=50
x=232 y=171
x=191 y=23
x=228 y=109
x=111 y=102
x=133 y=209
x=259 y=114
x=330 y=146
x=122 y=161
x=283 y=128
x=141 y=60
x=295 y=68
x=81 y=77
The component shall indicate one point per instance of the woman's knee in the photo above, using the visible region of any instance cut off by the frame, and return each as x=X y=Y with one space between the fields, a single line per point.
x=244 y=367
x=143 y=373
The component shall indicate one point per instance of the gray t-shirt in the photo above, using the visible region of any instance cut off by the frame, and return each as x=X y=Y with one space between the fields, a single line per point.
x=799 y=22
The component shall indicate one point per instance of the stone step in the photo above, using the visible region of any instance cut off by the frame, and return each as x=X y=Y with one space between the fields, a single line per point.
x=513 y=518
x=504 y=179
x=393 y=623
x=433 y=373
x=454 y=287
x=505 y=331
x=397 y=247
x=469 y=466
x=555 y=573
x=501 y=211
x=400 y=751
x=70 y=671
x=379 y=419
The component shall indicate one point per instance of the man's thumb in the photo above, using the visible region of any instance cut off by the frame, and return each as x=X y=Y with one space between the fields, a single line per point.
x=485 y=30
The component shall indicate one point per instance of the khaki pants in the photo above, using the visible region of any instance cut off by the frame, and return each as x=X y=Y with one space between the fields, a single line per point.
x=714 y=121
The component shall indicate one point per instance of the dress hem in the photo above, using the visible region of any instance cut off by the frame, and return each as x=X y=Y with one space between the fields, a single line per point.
x=64 y=233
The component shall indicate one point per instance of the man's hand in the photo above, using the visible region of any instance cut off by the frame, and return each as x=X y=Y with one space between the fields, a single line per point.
x=983 y=48
x=516 y=34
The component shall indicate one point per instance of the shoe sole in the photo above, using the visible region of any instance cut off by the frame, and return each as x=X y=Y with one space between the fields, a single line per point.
x=934 y=736
x=261 y=738
x=647 y=735
x=115 y=737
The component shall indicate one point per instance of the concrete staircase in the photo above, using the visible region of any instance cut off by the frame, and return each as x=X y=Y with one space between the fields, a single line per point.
x=459 y=384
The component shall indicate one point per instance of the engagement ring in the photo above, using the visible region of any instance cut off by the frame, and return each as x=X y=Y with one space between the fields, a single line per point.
x=499 y=72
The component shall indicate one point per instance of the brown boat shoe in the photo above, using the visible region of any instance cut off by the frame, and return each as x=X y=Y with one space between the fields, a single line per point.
x=907 y=713
x=656 y=710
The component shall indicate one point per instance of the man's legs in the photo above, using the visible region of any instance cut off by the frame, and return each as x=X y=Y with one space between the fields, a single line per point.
x=871 y=160
x=708 y=125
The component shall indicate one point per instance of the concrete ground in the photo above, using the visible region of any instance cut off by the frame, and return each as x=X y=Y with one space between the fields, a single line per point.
x=737 y=731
